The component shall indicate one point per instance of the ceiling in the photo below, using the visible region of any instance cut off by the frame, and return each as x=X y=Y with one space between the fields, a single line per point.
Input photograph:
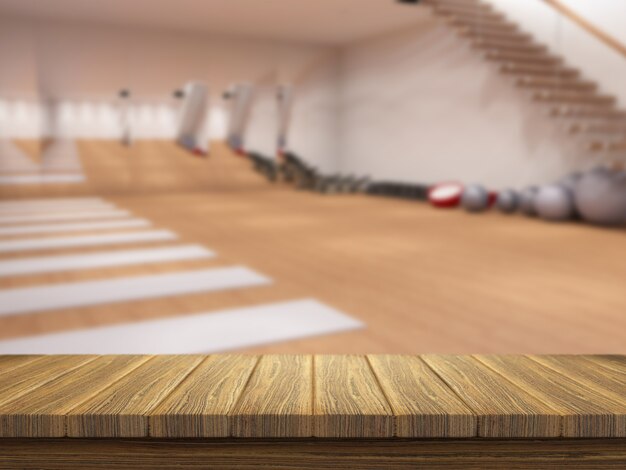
x=328 y=22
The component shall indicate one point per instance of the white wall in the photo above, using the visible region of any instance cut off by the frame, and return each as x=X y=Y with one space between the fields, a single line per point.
x=18 y=68
x=608 y=15
x=421 y=106
x=20 y=118
x=314 y=129
x=416 y=105
x=567 y=39
x=262 y=131
x=101 y=119
x=20 y=113
x=218 y=121
x=82 y=67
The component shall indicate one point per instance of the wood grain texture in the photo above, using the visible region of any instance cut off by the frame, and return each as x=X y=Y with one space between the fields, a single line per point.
x=42 y=412
x=348 y=401
x=8 y=363
x=615 y=363
x=277 y=401
x=122 y=409
x=304 y=396
x=200 y=405
x=503 y=409
x=252 y=454
x=603 y=379
x=423 y=405
x=585 y=412
x=18 y=381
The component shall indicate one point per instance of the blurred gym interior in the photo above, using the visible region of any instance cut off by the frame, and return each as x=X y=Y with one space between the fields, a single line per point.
x=330 y=176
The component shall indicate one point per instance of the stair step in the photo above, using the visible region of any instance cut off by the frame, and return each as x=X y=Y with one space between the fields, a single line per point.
x=512 y=37
x=485 y=12
x=617 y=146
x=511 y=58
x=557 y=83
x=595 y=146
x=509 y=47
x=561 y=105
x=589 y=99
x=588 y=113
x=483 y=25
x=539 y=70
x=607 y=146
x=579 y=128
x=486 y=30
x=551 y=81
x=460 y=7
x=456 y=3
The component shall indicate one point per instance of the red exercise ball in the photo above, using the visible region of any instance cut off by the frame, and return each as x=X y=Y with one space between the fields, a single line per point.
x=445 y=194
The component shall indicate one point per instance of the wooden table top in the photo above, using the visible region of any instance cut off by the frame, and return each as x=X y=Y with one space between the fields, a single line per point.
x=304 y=396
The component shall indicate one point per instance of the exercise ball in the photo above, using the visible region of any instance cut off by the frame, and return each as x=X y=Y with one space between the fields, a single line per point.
x=527 y=200
x=554 y=202
x=445 y=194
x=475 y=198
x=571 y=180
x=508 y=201
x=600 y=196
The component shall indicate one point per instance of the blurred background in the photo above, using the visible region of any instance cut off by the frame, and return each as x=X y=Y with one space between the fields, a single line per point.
x=331 y=176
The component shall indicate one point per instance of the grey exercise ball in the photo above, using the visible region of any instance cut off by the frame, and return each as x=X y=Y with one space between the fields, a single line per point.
x=508 y=201
x=570 y=181
x=554 y=202
x=527 y=200
x=475 y=198
x=600 y=196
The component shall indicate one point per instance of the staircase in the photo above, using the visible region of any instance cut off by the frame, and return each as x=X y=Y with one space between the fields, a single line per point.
x=568 y=98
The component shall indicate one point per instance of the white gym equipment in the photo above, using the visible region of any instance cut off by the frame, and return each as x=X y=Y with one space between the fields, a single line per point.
x=193 y=132
x=240 y=97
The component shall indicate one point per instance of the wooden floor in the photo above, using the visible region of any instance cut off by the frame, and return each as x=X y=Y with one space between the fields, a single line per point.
x=423 y=280
x=30 y=148
x=320 y=396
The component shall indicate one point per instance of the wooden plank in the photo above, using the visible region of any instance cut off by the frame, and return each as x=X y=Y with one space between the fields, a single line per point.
x=42 y=412
x=585 y=411
x=610 y=361
x=423 y=405
x=8 y=363
x=18 y=381
x=199 y=407
x=503 y=409
x=122 y=409
x=323 y=396
x=605 y=380
x=348 y=401
x=296 y=454
x=277 y=401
